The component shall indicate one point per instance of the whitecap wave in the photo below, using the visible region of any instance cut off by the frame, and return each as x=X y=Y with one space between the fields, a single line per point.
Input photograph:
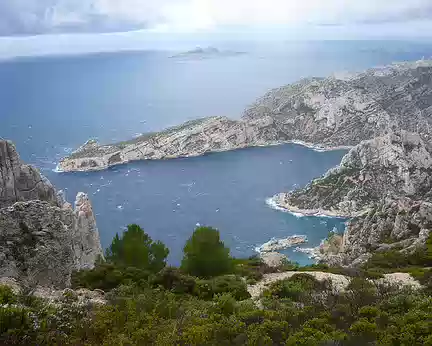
x=57 y=169
x=318 y=148
x=272 y=204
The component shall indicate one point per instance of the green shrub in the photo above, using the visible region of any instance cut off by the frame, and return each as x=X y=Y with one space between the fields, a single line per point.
x=14 y=320
x=225 y=304
x=7 y=296
x=207 y=289
x=136 y=249
x=297 y=287
x=107 y=276
x=205 y=255
x=174 y=280
x=252 y=268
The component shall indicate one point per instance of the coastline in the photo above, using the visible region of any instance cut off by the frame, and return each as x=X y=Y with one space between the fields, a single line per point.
x=297 y=212
x=314 y=147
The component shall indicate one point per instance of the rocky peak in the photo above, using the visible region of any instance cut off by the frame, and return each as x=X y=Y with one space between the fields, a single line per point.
x=87 y=235
x=42 y=238
x=21 y=182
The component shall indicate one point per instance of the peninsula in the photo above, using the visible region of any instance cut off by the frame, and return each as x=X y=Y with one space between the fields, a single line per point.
x=325 y=113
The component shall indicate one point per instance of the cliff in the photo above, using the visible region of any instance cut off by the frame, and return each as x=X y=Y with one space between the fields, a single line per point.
x=42 y=239
x=21 y=182
x=324 y=112
x=403 y=225
x=386 y=168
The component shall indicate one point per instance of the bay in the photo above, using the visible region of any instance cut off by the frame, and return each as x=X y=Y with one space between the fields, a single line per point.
x=51 y=105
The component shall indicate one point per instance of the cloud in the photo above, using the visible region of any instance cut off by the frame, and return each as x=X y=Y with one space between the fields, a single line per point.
x=28 y=17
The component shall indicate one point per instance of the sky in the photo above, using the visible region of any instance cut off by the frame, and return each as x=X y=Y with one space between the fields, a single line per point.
x=30 y=17
x=50 y=25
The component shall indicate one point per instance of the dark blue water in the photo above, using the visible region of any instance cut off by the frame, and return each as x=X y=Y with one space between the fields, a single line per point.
x=50 y=105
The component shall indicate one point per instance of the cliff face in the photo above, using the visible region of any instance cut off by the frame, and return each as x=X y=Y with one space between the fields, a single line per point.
x=389 y=167
x=402 y=224
x=21 y=182
x=42 y=239
x=325 y=112
x=335 y=112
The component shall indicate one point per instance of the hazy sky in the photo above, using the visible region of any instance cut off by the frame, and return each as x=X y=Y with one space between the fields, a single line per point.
x=29 y=17
x=45 y=27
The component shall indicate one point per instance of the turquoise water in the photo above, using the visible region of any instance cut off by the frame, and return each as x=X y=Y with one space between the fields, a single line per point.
x=48 y=106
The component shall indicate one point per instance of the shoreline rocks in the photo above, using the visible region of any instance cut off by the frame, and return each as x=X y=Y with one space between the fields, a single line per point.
x=275 y=244
x=281 y=202
x=393 y=166
x=384 y=186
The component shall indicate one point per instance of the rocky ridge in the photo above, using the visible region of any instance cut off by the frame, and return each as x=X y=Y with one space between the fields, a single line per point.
x=326 y=113
x=42 y=238
x=390 y=167
x=403 y=224
x=385 y=186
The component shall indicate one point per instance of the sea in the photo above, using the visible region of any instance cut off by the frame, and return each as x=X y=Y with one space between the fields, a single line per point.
x=51 y=105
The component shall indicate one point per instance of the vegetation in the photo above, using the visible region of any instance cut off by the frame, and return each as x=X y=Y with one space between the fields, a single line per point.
x=136 y=249
x=202 y=304
x=417 y=263
x=205 y=255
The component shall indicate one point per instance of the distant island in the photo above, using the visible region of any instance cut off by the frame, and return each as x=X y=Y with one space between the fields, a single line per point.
x=205 y=53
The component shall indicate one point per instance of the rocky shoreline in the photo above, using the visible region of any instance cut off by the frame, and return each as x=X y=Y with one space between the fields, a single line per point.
x=103 y=159
x=321 y=113
x=279 y=202
x=383 y=186
x=275 y=244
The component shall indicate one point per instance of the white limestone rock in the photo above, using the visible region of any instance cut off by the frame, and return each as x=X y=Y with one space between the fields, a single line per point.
x=325 y=112
x=42 y=238
x=393 y=166
x=21 y=182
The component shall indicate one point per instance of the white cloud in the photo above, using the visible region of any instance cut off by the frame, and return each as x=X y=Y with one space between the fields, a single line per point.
x=44 y=16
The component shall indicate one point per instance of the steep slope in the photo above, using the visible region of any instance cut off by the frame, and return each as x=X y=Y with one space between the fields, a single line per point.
x=42 y=239
x=403 y=225
x=324 y=112
x=21 y=182
x=389 y=167
x=335 y=112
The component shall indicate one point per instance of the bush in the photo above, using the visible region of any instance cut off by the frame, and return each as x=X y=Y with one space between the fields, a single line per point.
x=252 y=268
x=205 y=255
x=106 y=276
x=136 y=249
x=296 y=287
x=6 y=295
x=207 y=289
x=174 y=280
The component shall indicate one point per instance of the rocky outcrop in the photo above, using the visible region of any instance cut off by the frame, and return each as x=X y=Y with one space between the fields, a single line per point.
x=338 y=283
x=21 y=182
x=390 y=167
x=275 y=244
x=402 y=224
x=273 y=259
x=323 y=112
x=42 y=238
